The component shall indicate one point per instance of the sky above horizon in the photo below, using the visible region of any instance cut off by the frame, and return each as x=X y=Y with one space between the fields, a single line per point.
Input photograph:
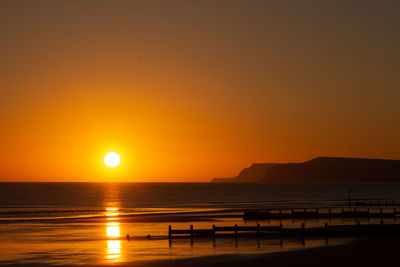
x=190 y=90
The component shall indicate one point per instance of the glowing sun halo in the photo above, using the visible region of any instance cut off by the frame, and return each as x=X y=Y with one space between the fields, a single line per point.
x=112 y=160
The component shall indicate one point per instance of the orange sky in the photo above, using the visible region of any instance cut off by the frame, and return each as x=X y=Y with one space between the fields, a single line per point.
x=187 y=91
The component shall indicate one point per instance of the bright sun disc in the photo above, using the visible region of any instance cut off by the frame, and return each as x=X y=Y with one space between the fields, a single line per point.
x=112 y=160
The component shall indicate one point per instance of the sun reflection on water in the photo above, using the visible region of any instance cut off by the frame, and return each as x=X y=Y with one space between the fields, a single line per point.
x=113 y=229
x=113 y=233
x=112 y=212
x=113 y=250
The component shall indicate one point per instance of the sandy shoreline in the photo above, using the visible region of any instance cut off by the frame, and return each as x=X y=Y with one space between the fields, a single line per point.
x=362 y=252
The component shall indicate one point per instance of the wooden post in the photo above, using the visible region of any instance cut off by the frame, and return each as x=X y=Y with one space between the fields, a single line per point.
x=258 y=229
x=394 y=212
x=368 y=213
x=326 y=229
x=169 y=232
x=292 y=213
x=280 y=228
x=381 y=212
x=191 y=231
x=305 y=213
x=317 y=212
x=355 y=213
x=303 y=228
x=213 y=231
x=330 y=213
x=236 y=231
x=350 y=197
x=280 y=213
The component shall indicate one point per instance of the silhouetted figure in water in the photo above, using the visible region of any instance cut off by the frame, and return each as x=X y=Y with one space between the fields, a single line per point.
x=128 y=237
x=148 y=237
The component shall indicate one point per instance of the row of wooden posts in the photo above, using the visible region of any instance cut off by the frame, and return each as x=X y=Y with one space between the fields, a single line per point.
x=373 y=202
x=213 y=232
x=315 y=213
x=279 y=230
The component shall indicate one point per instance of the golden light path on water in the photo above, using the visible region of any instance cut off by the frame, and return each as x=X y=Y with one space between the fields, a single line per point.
x=113 y=234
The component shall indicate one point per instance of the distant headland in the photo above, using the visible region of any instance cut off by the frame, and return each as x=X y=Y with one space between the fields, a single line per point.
x=321 y=170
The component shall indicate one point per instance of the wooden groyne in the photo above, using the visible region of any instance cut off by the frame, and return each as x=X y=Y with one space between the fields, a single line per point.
x=316 y=213
x=218 y=230
x=374 y=202
x=280 y=231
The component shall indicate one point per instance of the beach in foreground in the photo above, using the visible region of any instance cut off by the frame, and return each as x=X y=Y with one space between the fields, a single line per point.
x=361 y=252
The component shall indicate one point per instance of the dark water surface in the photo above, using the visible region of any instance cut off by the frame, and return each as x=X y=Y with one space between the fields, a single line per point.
x=80 y=223
x=146 y=195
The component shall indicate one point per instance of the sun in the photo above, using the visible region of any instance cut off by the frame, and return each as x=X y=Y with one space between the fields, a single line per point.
x=112 y=160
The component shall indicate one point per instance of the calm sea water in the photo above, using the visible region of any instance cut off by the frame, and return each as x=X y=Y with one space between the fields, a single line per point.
x=81 y=223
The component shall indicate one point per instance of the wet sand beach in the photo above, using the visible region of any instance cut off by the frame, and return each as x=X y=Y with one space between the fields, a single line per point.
x=362 y=252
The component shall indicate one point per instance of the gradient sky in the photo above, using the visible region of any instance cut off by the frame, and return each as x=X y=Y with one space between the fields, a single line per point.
x=190 y=90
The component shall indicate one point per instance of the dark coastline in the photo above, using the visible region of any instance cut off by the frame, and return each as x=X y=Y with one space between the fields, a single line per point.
x=321 y=170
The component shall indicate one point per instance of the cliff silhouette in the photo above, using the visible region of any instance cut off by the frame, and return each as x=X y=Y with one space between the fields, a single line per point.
x=321 y=170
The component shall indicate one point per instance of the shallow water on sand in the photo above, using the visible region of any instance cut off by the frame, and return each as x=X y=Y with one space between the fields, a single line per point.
x=74 y=223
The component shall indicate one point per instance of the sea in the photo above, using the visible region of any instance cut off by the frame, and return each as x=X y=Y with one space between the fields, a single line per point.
x=89 y=223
